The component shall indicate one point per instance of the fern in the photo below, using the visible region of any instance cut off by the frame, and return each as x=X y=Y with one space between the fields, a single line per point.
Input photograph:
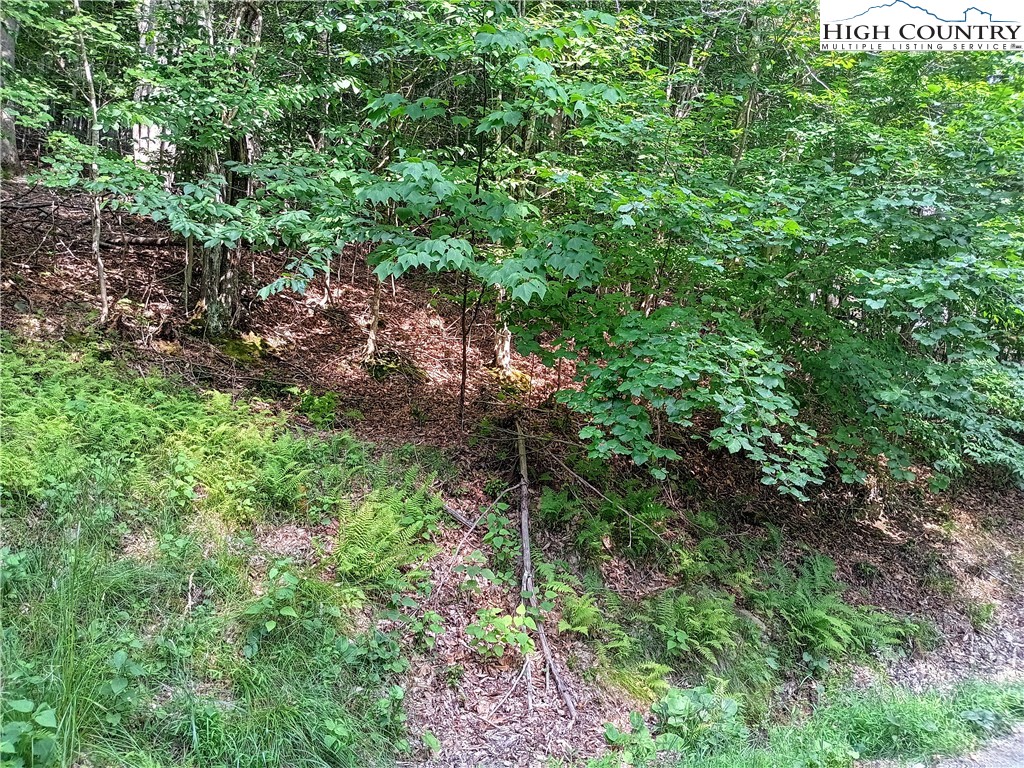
x=644 y=681
x=379 y=538
x=699 y=627
x=581 y=614
x=808 y=607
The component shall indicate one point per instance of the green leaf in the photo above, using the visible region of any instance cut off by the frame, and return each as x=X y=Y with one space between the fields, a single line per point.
x=47 y=718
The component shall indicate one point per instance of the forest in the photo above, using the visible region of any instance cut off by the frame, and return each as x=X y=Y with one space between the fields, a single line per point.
x=493 y=383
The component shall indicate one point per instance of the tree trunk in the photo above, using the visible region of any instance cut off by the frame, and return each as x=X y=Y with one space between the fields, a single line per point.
x=745 y=118
x=371 y=339
x=9 y=164
x=94 y=134
x=502 y=343
x=219 y=290
x=503 y=349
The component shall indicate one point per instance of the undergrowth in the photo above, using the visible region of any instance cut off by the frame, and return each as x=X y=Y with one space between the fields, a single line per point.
x=703 y=728
x=730 y=617
x=146 y=625
x=150 y=619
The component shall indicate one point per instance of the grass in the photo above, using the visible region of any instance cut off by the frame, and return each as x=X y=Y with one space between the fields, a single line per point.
x=849 y=726
x=142 y=624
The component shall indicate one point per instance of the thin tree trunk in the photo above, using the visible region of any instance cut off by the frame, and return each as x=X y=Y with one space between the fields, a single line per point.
x=502 y=342
x=371 y=339
x=189 y=266
x=465 y=350
x=147 y=142
x=745 y=118
x=94 y=134
x=528 y=588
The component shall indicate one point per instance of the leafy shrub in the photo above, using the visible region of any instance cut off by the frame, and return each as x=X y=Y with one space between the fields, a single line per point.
x=493 y=633
x=700 y=721
x=377 y=655
x=676 y=361
x=476 y=572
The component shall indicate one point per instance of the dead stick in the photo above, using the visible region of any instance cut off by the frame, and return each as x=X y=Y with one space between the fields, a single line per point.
x=529 y=593
x=515 y=684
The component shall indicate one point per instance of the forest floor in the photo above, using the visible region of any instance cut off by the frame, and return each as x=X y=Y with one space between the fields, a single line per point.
x=952 y=563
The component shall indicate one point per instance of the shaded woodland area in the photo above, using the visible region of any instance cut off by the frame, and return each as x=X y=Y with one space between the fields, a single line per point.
x=481 y=383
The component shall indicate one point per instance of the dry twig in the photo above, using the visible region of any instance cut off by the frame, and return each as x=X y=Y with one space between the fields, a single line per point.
x=529 y=590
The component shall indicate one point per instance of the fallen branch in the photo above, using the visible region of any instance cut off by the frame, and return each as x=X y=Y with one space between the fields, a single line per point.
x=515 y=684
x=141 y=240
x=460 y=517
x=25 y=206
x=529 y=590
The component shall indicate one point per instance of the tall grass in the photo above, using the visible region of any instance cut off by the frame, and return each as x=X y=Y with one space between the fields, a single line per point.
x=143 y=624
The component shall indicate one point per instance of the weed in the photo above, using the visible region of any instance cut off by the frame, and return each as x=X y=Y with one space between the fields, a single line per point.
x=980 y=614
x=848 y=726
x=190 y=654
x=422 y=627
x=453 y=675
x=502 y=538
x=353 y=416
x=494 y=633
x=322 y=410
x=29 y=733
x=476 y=574
x=897 y=724
x=699 y=721
x=866 y=572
